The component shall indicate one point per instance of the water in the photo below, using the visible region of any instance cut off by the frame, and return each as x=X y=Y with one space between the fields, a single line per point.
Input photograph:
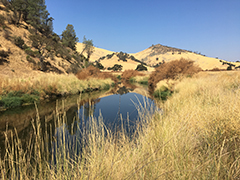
x=116 y=108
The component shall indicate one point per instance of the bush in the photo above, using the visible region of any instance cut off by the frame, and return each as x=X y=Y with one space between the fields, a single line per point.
x=18 y=41
x=32 y=53
x=229 y=68
x=99 y=65
x=10 y=102
x=172 y=70
x=116 y=67
x=141 y=67
x=128 y=74
x=4 y=54
x=31 y=60
x=2 y=20
x=162 y=93
x=93 y=72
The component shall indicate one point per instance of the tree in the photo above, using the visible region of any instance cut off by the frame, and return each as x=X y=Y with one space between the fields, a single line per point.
x=43 y=45
x=69 y=37
x=19 y=8
x=33 y=12
x=88 y=47
x=141 y=67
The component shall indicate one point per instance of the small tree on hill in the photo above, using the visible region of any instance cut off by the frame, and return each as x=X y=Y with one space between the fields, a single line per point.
x=69 y=37
x=88 y=47
x=141 y=67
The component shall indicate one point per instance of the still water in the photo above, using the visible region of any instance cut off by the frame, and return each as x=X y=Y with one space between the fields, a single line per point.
x=115 y=107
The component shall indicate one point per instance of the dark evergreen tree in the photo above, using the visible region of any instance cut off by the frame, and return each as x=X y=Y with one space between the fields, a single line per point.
x=19 y=8
x=69 y=37
x=43 y=45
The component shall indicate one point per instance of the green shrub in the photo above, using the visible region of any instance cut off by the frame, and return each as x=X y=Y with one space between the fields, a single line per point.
x=32 y=53
x=25 y=47
x=163 y=93
x=18 y=41
x=29 y=98
x=31 y=60
x=119 y=77
x=10 y=102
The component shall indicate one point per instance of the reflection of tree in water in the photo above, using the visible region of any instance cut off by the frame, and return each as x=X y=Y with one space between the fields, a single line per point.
x=89 y=107
x=74 y=115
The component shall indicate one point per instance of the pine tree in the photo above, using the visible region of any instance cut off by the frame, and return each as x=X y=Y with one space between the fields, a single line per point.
x=43 y=45
x=69 y=37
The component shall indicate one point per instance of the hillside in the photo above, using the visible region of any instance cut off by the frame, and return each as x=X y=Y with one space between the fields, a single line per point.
x=127 y=61
x=155 y=55
x=19 y=55
x=158 y=53
x=98 y=52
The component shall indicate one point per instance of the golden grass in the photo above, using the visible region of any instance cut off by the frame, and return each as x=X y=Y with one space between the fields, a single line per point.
x=50 y=83
x=194 y=136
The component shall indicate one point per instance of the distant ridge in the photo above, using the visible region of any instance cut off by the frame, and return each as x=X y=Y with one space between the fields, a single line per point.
x=153 y=56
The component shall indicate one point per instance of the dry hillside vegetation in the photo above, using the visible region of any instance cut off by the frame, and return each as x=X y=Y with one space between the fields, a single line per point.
x=196 y=136
x=19 y=55
x=93 y=72
x=128 y=74
x=97 y=53
x=173 y=70
x=128 y=62
x=158 y=53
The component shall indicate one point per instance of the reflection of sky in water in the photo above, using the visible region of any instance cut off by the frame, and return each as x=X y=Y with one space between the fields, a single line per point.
x=108 y=108
x=112 y=106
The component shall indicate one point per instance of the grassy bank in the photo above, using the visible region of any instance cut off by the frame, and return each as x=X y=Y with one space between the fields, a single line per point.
x=195 y=136
x=17 y=91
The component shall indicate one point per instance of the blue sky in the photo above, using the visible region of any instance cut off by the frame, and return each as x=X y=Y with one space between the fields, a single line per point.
x=211 y=27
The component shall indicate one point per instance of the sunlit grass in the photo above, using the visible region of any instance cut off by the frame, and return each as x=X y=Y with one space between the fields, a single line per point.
x=45 y=86
x=195 y=135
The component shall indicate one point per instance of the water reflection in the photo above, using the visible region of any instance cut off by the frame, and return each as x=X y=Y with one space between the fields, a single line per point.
x=117 y=106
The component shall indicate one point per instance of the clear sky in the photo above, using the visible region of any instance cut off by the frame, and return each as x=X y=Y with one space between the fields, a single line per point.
x=211 y=27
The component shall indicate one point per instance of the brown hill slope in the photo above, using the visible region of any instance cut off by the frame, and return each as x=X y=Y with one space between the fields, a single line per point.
x=98 y=52
x=19 y=61
x=158 y=53
x=128 y=62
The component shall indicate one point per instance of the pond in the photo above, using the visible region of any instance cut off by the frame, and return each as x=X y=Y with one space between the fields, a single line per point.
x=116 y=108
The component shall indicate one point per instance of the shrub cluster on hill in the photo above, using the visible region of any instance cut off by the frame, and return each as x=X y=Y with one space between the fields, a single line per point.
x=172 y=70
x=116 y=67
x=93 y=72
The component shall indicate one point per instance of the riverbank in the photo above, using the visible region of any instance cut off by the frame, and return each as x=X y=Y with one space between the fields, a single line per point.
x=18 y=91
x=196 y=136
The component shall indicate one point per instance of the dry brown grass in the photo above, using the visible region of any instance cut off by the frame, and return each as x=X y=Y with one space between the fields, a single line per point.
x=173 y=70
x=127 y=74
x=51 y=84
x=194 y=136
x=93 y=72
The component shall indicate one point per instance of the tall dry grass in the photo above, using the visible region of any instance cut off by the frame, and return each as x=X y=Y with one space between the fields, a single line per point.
x=51 y=84
x=194 y=136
